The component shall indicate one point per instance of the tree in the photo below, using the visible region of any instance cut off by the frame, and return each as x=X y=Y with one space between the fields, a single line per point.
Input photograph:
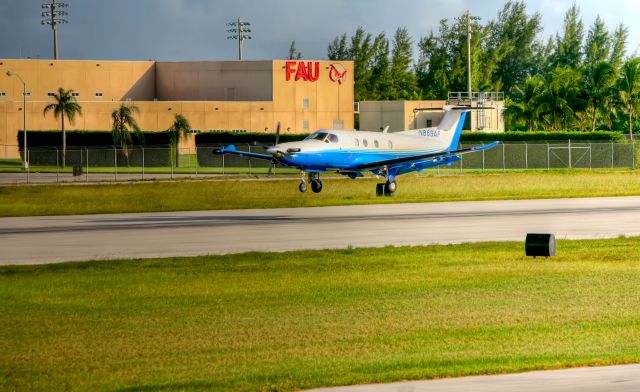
x=65 y=105
x=294 y=54
x=598 y=86
x=629 y=90
x=526 y=104
x=123 y=123
x=338 y=49
x=512 y=45
x=362 y=51
x=560 y=100
x=381 y=71
x=402 y=76
x=618 y=46
x=598 y=44
x=568 y=47
x=179 y=129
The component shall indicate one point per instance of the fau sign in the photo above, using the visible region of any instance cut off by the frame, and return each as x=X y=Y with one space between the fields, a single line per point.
x=309 y=71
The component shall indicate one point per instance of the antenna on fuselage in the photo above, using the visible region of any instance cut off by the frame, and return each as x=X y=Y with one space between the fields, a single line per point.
x=385 y=129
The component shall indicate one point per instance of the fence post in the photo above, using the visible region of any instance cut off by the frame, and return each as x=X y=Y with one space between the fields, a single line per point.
x=171 y=161
x=28 y=165
x=142 y=161
x=222 y=163
x=504 y=167
x=590 y=159
x=461 y=164
x=526 y=155
x=249 y=159
x=548 y=157
x=196 y=157
x=57 y=166
x=87 y=169
x=612 y=154
x=570 y=163
x=633 y=154
x=115 y=163
x=483 y=158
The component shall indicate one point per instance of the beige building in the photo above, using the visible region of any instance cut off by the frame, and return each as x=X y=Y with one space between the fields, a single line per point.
x=250 y=96
x=405 y=115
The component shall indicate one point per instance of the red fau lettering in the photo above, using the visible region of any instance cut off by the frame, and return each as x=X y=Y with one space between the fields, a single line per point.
x=313 y=76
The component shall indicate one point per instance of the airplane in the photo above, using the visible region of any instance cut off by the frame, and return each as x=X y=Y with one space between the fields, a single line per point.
x=384 y=154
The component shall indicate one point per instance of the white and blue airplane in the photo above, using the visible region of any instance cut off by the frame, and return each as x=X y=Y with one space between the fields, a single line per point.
x=384 y=154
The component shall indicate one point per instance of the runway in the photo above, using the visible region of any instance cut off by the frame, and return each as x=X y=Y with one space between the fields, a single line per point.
x=34 y=240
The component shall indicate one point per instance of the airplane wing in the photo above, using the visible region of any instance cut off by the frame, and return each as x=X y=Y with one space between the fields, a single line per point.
x=417 y=158
x=231 y=149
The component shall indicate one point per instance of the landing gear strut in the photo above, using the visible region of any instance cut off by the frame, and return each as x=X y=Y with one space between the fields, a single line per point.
x=314 y=179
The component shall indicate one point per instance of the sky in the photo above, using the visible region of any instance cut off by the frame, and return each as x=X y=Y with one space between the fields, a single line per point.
x=173 y=30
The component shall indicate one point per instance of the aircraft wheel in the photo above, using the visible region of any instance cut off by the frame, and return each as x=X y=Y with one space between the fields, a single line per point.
x=390 y=187
x=303 y=187
x=316 y=186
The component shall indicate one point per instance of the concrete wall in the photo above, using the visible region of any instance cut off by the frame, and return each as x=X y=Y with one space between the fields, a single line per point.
x=262 y=95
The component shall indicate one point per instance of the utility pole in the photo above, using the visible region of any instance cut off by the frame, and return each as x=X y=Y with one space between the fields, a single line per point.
x=53 y=17
x=240 y=31
x=469 y=19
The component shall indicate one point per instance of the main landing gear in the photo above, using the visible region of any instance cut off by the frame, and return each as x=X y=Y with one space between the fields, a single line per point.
x=314 y=179
x=386 y=189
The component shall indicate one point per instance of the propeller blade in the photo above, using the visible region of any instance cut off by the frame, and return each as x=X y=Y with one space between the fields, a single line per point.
x=278 y=133
x=274 y=160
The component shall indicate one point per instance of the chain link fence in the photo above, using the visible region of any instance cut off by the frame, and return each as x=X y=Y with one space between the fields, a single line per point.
x=109 y=163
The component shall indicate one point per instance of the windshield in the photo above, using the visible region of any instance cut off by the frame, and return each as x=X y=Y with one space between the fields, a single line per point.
x=317 y=136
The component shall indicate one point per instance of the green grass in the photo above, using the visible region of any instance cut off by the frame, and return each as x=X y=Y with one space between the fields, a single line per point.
x=282 y=321
x=232 y=194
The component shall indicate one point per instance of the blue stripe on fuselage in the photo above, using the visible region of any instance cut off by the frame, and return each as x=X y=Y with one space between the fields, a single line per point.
x=345 y=159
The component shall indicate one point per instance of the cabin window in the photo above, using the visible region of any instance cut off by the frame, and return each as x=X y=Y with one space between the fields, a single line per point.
x=332 y=138
x=356 y=142
x=365 y=142
x=375 y=143
x=390 y=144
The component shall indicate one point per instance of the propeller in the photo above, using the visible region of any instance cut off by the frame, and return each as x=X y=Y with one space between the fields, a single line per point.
x=274 y=161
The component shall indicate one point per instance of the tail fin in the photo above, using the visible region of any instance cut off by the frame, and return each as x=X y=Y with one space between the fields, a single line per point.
x=446 y=135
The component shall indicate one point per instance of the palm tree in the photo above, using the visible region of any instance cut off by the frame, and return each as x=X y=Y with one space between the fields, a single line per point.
x=526 y=105
x=123 y=124
x=179 y=129
x=560 y=99
x=629 y=89
x=65 y=105
x=599 y=88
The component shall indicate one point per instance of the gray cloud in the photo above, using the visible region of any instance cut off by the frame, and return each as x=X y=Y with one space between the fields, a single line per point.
x=195 y=29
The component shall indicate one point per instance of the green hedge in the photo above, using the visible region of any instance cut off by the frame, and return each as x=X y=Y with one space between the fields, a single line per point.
x=244 y=138
x=541 y=136
x=87 y=138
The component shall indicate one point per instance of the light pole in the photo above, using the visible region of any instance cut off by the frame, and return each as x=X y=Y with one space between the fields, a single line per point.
x=469 y=19
x=240 y=31
x=25 y=163
x=52 y=16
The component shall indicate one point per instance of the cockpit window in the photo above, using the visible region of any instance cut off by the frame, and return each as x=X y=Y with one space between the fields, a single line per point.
x=317 y=136
x=332 y=138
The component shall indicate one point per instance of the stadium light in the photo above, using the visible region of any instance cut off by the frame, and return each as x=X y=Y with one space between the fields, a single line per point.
x=52 y=15
x=240 y=30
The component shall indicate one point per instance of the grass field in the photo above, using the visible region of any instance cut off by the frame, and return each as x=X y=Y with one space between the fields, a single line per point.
x=317 y=318
x=232 y=194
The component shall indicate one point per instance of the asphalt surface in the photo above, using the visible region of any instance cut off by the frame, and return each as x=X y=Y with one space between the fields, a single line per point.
x=34 y=240
x=597 y=379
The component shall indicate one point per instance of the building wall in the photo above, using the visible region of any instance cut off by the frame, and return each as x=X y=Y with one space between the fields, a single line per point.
x=262 y=95
x=406 y=115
